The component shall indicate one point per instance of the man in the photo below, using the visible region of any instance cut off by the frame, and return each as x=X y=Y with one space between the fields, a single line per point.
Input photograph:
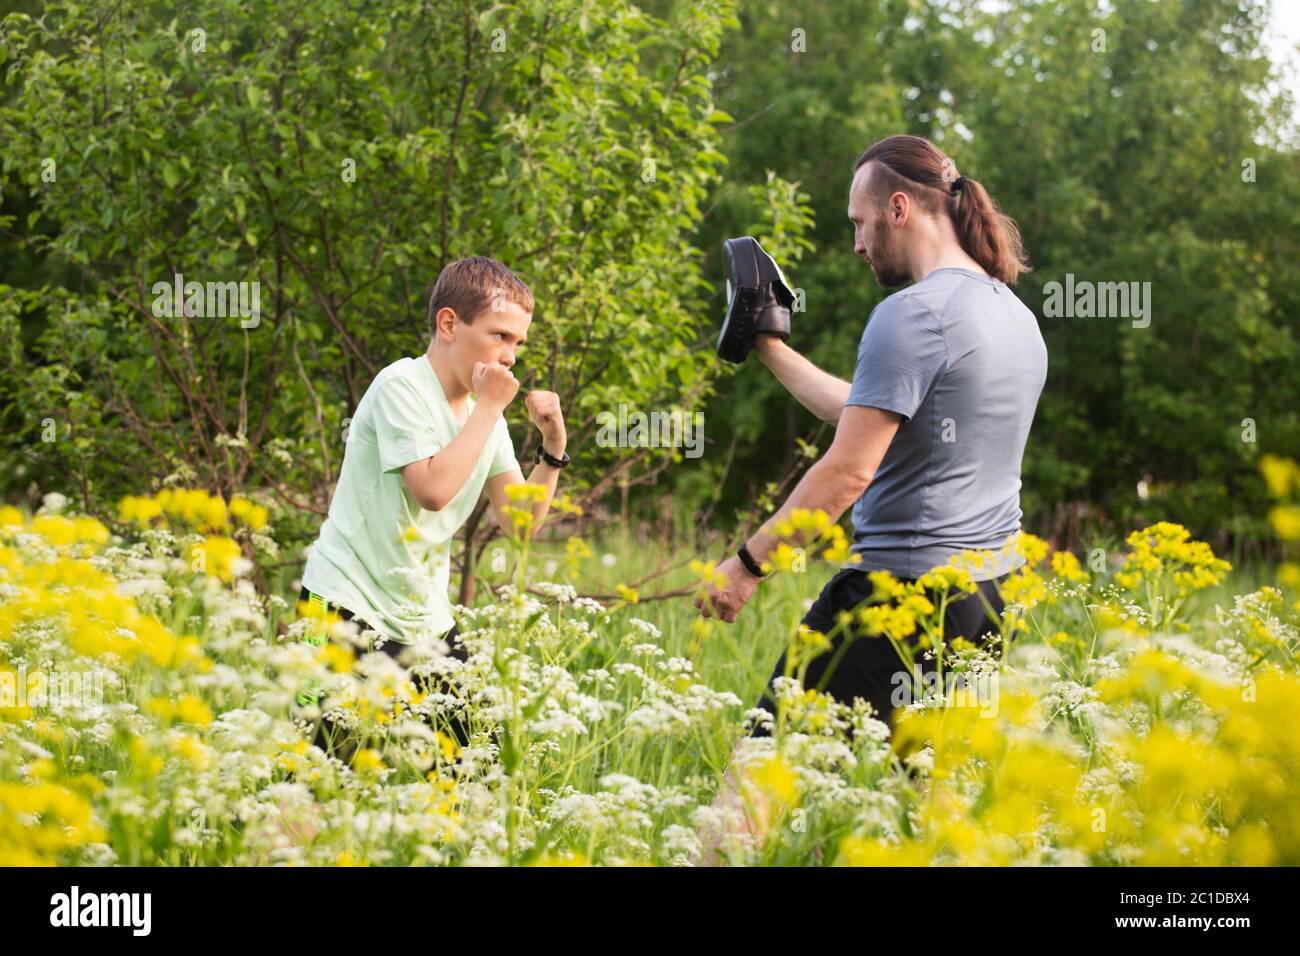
x=428 y=439
x=931 y=431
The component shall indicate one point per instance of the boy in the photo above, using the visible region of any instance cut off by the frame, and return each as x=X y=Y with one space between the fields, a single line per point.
x=428 y=439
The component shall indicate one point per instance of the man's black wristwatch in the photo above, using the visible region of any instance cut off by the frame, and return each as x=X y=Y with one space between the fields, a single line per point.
x=544 y=455
x=748 y=561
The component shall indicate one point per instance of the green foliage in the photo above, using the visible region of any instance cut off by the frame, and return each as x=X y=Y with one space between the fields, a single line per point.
x=584 y=145
x=339 y=158
x=1120 y=164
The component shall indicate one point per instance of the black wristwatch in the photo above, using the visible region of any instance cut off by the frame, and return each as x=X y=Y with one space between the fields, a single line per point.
x=544 y=455
x=748 y=561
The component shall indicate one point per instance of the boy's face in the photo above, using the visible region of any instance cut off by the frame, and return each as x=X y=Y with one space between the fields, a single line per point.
x=495 y=335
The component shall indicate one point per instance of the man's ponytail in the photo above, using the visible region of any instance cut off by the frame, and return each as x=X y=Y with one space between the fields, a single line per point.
x=988 y=235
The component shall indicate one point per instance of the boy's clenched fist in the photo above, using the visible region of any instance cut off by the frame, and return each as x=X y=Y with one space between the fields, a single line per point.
x=494 y=384
x=544 y=410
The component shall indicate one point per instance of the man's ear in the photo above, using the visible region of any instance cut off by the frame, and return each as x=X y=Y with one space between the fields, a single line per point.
x=900 y=208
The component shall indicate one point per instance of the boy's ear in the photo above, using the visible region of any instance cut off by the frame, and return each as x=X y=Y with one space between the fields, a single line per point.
x=441 y=317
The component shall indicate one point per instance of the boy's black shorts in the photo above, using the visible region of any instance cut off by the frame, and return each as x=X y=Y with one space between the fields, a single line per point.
x=325 y=731
x=391 y=648
x=867 y=668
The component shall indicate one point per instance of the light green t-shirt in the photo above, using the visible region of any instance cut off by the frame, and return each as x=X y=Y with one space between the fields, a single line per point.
x=379 y=554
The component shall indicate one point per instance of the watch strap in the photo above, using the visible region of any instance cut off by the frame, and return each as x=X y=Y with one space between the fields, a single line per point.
x=748 y=561
x=544 y=455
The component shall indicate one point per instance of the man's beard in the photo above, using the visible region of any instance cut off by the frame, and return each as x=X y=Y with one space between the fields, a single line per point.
x=890 y=268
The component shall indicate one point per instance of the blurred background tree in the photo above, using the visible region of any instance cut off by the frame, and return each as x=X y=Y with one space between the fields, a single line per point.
x=1132 y=141
x=340 y=155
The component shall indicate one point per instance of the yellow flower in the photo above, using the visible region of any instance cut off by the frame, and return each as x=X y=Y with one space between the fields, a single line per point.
x=565 y=505
x=40 y=822
x=337 y=658
x=10 y=517
x=887 y=587
x=783 y=558
x=948 y=576
x=701 y=628
x=138 y=511
x=1163 y=552
x=894 y=622
x=1281 y=474
x=221 y=557
x=918 y=604
x=192 y=710
x=251 y=514
x=193 y=508
x=774 y=777
x=808 y=643
x=521 y=519
x=367 y=761
x=551 y=859
x=803 y=525
x=1286 y=521
x=447 y=746
x=1032 y=547
x=870 y=851
x=324 y=619
x=213 y=514
x=1023 y=587
x=708 y=573
x=528 y=491
x=1149 y=676
x=1066 y=566
x=814 y=522
x=143 y=758
x=63 y=532
x=192 y=749
x=187 y=708
x=838 y=552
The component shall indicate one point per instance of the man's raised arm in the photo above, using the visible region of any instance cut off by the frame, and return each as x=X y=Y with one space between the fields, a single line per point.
x=820 y=392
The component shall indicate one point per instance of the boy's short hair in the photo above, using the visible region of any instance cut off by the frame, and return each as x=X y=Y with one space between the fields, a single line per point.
x=473 y=284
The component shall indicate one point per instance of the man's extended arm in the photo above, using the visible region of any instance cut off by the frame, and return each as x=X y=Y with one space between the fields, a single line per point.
x=861 y=439
x=836 y=479
x=820 y=392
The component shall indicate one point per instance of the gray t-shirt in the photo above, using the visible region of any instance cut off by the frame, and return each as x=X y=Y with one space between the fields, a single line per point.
x=962 y=360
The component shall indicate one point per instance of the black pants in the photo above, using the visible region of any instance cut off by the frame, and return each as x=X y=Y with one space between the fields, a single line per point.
x=330 y=739
x=869 y=667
